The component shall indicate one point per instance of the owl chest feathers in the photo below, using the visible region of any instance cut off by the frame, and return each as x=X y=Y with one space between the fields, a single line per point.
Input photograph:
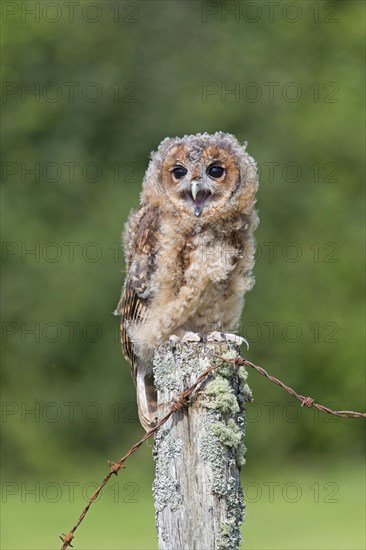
x=206 y=257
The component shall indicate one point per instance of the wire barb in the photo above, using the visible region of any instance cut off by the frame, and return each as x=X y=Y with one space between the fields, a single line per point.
x=178 y=403
x=115 y=468
x=182 y=401
x=307 y=402
x=66 y=539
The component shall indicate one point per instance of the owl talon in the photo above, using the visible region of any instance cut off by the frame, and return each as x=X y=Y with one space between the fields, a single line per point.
x=192 y=337
x=173 y=341
x=217 y=336
x=246 y=343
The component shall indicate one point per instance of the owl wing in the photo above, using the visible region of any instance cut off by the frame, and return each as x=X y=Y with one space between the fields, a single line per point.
x=141 y=246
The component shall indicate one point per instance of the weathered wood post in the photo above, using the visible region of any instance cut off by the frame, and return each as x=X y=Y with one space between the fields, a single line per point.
x=200 y=450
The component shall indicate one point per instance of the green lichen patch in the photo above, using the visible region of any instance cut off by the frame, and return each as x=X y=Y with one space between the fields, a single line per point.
x=229 y=434
x=230 y=355
x=240 y=455
x=245 y=391
x=230 y=537
x=226 y=370
x=243 y=374
x=219 y=396
x=225 y=397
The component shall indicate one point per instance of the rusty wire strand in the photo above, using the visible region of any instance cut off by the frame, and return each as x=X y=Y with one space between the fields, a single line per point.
x=181 y=401
x=305 y=401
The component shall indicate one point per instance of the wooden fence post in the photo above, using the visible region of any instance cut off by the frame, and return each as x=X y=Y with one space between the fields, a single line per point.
x=200 y=450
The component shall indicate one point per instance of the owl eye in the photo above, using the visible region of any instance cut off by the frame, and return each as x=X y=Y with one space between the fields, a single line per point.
x=179 y=172
x=215 y=171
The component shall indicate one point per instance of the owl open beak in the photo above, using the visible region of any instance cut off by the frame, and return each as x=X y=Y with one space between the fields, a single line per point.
x=199 y=195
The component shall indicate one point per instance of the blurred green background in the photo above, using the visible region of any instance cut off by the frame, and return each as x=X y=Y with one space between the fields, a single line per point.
x=89 y=89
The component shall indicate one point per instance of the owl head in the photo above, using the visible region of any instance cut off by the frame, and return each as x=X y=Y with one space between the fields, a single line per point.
x=201 y=176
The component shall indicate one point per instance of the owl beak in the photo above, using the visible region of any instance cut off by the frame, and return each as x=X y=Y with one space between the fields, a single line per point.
x=196 y=186
x=199 y=196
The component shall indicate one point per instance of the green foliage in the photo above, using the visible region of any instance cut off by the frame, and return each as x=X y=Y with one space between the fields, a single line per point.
x=304 y=318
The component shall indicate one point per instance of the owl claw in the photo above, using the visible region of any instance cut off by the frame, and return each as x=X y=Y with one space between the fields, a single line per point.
x=192 y=337
x=173 y=341
x=217 y=336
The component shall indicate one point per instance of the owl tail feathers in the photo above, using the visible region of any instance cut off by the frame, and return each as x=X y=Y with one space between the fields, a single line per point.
x=146 y=399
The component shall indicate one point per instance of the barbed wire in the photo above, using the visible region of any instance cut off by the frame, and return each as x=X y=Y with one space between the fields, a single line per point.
x=305 y=401
x=182 y=401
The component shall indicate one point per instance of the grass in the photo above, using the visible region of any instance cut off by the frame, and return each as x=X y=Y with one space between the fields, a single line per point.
x=304 y=508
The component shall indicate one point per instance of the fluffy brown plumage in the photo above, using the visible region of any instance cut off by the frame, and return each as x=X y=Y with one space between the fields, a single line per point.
x=189 y=250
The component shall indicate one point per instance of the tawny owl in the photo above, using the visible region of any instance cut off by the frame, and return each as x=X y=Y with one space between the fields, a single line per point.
x=189 y=250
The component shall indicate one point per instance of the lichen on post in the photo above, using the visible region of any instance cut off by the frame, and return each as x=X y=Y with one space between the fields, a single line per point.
x=200 y=450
